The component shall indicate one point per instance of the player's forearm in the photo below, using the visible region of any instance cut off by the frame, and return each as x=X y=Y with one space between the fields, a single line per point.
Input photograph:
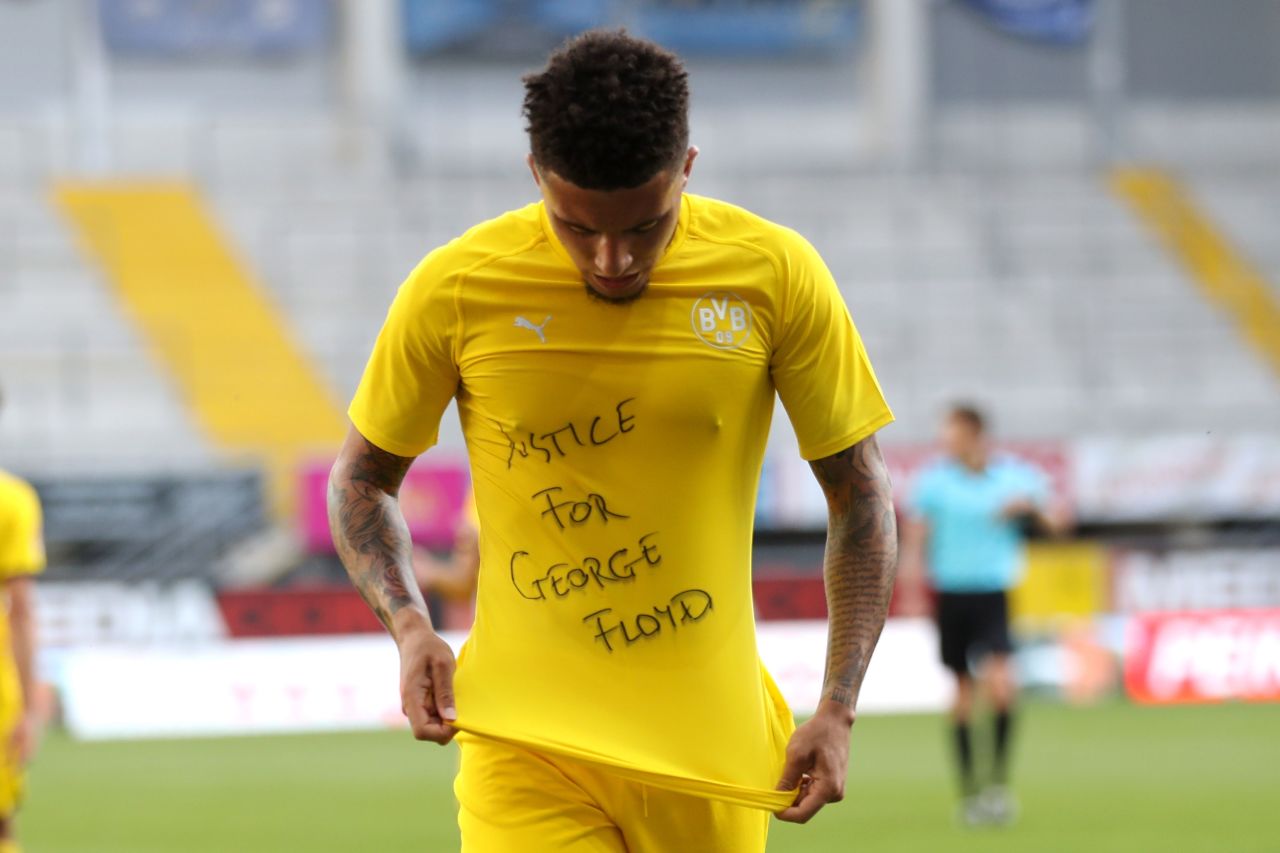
x=22 y=633
x=24 y=658
x=859 y=565
x=371 y=535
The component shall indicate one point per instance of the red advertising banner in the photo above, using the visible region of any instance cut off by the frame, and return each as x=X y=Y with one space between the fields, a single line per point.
x=296 y=612
x=1204 y=657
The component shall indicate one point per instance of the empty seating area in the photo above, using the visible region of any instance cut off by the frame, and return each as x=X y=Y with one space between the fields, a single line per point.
x=81 y=391
x=1032 y=289
x=1041 y=296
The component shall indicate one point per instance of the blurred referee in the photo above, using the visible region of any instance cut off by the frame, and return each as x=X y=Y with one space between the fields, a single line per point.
x=971 y=511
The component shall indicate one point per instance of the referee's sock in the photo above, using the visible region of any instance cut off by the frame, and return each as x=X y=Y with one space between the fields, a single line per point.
x=1003 y=729
x=964 y=756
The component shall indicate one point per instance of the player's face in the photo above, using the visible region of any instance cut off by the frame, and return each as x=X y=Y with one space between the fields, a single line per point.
x=958 y=437
x=615 y=237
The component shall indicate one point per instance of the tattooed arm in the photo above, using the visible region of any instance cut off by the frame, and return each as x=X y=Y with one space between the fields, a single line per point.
x=858 y=568
x=373 y=542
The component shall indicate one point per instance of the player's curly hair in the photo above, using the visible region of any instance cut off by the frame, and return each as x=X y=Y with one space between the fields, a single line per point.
x=609 y=111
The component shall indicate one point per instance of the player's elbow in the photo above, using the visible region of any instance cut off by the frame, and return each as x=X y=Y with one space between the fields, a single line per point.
x=336 y=496
x=21 y=603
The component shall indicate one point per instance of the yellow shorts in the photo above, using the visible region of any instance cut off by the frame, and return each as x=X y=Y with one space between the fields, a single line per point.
x=514 y=799
x=12 y=783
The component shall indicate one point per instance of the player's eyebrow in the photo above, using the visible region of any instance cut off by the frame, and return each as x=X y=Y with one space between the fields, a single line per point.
x=648 y=223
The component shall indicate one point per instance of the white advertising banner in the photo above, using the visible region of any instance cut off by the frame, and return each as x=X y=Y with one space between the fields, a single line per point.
x=231 y=687
x=1200 y=579
x=905 y=673
x=341 y=683
x=86 y=613
x=1107 y=479
x=1193 y=477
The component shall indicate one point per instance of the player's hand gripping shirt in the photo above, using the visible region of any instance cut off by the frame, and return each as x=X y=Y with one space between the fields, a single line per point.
x=615 y=451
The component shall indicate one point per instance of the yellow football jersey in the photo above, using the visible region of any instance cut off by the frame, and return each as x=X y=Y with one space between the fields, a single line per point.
x=21 y=543
x=21 y=553
x=615 y=452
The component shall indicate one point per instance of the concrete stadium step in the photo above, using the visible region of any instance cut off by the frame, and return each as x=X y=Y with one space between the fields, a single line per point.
x=250 y=387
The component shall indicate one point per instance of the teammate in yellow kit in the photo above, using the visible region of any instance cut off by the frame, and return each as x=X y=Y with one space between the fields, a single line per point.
x=615 y=351
x=21 y=556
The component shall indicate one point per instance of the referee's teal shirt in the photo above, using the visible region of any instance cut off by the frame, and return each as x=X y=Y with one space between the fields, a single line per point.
x=971 y=547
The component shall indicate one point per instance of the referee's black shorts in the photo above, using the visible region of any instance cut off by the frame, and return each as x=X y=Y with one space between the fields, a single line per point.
x=971 y=625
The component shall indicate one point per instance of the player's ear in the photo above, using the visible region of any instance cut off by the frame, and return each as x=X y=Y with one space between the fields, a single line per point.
x=533 y=167
x=688 y=164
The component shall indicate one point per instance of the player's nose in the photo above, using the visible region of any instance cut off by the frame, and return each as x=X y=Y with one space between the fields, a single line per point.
x=613 y=257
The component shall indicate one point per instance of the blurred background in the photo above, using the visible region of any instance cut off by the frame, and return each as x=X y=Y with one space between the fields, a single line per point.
x=1066 y=211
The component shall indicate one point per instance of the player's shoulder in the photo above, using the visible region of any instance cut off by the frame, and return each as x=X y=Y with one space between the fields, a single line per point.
x=512 y=233
x=933 y=470
x=16 y=494
x=719 y=221
x=1019 y=473
x=1013 y=465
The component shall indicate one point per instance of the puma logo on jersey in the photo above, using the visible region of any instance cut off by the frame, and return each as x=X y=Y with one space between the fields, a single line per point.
x=536 y=329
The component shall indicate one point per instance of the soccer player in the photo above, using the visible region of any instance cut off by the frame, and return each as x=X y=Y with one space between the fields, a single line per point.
x=455 y=578
x=615 y=350
x=21 y=557
x=972 y=509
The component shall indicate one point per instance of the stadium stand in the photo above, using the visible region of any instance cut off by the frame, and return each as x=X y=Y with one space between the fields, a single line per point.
x=250 y=387
x=1004 y=268
x=1041 y=293
x=83 y=390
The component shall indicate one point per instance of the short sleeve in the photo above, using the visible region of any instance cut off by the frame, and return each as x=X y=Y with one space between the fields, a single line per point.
x=819 y=365
x=412 y=373
x=21 y=535
x=1036 y=484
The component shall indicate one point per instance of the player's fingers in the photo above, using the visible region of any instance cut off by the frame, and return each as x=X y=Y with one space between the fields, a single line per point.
x=811 y=800
x=793 y=771
x=442 y=684
x=438 y=732
x=415 y=700
x=425 y=723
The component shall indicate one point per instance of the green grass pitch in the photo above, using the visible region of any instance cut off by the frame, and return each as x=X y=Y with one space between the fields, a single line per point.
x=1111 y=778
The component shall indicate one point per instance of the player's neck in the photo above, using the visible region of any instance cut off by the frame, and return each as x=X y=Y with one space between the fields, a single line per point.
x=975 y=460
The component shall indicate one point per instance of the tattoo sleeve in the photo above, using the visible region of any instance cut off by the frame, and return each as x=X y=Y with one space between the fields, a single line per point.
x=370 y=531
x=859 y=565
